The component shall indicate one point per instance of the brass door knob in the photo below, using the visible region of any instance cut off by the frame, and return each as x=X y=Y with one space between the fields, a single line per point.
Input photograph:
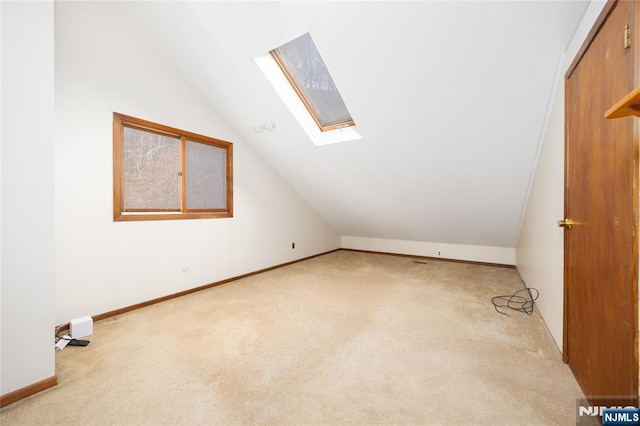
x=567 y=223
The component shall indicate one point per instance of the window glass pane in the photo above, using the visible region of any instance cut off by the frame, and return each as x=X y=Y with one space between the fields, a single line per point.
x=308 y=68
x=151 y=171
x=206 y=176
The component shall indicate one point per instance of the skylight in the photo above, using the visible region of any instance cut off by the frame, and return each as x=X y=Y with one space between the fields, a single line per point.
x=303 y=66
x=312 y=97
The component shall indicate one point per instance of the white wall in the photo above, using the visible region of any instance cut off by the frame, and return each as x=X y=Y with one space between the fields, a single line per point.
x=540 y=246
x=499 y=255
x=103 y=65
x=27 y=247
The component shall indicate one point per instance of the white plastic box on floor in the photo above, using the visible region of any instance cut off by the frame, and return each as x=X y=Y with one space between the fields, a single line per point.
x=81 y=327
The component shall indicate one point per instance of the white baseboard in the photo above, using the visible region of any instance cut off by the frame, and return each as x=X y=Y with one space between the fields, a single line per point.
x=485 y=254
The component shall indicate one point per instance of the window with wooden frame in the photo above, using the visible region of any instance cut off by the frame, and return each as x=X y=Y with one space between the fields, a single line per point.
x=164 y=173
x=301 y=63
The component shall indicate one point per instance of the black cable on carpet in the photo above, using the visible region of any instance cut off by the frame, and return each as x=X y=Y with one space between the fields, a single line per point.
x=516 y=302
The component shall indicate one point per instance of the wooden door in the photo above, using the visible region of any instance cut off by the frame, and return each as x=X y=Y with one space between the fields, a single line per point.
x=601 y=259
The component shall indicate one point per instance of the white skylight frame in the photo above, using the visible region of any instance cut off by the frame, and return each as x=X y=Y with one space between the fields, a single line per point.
x=290 y=97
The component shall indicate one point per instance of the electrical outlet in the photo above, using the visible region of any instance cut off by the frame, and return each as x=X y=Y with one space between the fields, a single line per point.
x=439 y=253
x=293 y=245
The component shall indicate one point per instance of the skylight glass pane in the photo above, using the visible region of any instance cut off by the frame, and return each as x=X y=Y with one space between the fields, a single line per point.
x=311 y=78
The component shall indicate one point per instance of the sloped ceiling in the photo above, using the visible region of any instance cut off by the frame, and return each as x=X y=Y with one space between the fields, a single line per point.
x=450 y=98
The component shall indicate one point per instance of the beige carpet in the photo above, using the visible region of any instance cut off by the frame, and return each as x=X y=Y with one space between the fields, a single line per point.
x=344 y=338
